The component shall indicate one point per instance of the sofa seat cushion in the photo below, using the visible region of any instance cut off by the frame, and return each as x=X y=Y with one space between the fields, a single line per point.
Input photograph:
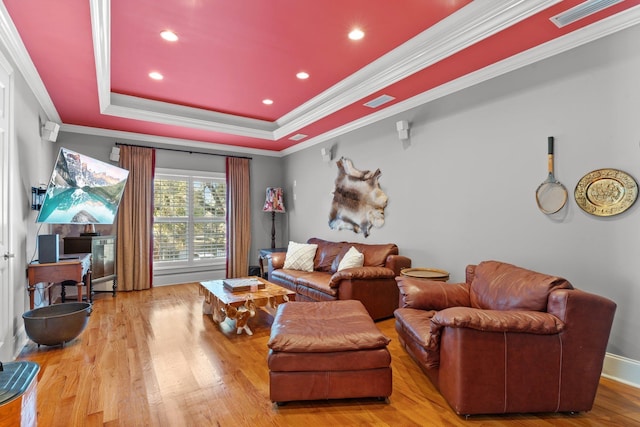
x=416 y=326
x=325 y=326
x=286 y=278
x=501 y=286
x=416 y=323
x=318 y=281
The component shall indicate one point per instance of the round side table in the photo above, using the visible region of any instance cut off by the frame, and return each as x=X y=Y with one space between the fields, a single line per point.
x=426 y=273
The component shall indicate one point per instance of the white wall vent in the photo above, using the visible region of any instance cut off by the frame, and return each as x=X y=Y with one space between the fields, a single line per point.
x=298 y=137
x=580 y=11
x=382 y=99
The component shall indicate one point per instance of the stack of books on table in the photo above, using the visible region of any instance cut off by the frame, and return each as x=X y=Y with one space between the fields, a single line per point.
x=243 y=284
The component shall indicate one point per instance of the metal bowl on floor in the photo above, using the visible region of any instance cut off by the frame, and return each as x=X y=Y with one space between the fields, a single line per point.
x=56 y=324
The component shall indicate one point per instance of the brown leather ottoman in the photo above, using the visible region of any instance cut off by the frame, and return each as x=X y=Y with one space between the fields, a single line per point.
x=327 y=350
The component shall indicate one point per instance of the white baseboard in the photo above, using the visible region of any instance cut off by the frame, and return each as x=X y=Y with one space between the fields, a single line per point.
x=621 y=369
x=174 y=279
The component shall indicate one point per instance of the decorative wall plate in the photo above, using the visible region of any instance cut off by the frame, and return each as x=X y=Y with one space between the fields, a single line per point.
x=606 y=192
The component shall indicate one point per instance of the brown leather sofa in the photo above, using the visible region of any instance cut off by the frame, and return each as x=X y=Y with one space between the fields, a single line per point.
x=507 y=340
x=373 y=284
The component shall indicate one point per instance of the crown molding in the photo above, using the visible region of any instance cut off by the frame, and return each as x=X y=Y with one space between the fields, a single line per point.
x=159 y=141
x=11 y=39
x=595 y=31
x=133 y=107
x=323 y=104
x=464 y=28
x=101 y=35
x=455 y=33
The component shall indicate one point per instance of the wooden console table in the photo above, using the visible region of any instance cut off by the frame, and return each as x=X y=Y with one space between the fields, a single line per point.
x=75 y=268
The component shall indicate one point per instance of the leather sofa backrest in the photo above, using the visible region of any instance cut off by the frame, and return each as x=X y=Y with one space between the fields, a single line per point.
x=501 y=286
x=329 y=254
x=325 y=254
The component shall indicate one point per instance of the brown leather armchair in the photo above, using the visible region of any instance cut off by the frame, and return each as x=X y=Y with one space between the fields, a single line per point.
x=507 y=340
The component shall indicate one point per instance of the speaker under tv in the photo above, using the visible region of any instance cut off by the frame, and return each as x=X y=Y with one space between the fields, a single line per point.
x=48 y=248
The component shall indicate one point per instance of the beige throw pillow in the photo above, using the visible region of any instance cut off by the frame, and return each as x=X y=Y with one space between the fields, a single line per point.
x=300 y=256
x=351 y=259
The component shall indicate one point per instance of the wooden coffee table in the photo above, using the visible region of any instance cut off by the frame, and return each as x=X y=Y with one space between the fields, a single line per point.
x=240 y=306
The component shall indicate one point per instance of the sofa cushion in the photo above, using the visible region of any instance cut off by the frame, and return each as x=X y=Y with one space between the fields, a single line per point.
x=317 y=280
x=501 y=286
x=300 y=256
x=374 y=255
x=326 y=253
x=325 y=326
x=351 y=259
x=431 y=294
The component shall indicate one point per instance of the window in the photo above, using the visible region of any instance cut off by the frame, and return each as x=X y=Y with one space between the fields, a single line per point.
x=189 y=218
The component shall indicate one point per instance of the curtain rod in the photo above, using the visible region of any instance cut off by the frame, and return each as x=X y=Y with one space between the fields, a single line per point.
x=185 y=151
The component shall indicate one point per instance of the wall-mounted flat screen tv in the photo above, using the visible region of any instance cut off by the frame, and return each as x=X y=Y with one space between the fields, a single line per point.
x=82 y=190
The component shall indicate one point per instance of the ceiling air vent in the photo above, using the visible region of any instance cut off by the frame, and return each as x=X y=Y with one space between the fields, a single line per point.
x=382 y=99
x=298 y=137
x=580 y=11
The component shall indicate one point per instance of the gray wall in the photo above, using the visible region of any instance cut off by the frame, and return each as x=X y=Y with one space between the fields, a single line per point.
x=265 y=171
x=462 y=190
x=33 y=157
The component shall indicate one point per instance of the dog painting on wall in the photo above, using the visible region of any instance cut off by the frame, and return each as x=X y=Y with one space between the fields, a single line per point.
x=358 y=201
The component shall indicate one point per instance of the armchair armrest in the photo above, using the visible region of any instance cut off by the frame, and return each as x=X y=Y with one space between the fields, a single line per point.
x=530 y=322
x=432 y=295
x=397 y=263
x=361 y=273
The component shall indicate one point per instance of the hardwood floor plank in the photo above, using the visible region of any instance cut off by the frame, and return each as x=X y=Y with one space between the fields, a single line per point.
x=151 y=358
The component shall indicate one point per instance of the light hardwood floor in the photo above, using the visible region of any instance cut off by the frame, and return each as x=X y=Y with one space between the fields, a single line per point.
x=151 y=358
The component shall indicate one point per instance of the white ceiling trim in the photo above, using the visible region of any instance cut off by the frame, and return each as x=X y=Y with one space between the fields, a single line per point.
x=101 y=34
x=11 y=39
x=159 y=141
x=471 y=24
x=196 y=118
x=562 y=44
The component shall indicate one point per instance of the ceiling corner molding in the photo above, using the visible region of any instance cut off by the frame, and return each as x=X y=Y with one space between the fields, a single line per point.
x=133 y=107
x=158 y=141
x=11 y=39
x=464 y=28
x=101 y=34
x=572 y=40
x=455 y=33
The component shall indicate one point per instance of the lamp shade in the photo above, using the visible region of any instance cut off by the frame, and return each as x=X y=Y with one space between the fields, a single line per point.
x=274 y=200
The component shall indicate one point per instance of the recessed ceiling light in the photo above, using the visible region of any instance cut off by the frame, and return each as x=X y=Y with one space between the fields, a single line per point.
x=267 y=101
x=302 y=75
x=156 y=76
x=169 y=36
x=356 y=34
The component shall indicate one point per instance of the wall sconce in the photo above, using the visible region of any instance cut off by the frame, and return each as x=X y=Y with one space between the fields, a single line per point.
x=115 y=154
x=403 y=129
x=327 y=154
x=37 y=197
x=274 y=203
